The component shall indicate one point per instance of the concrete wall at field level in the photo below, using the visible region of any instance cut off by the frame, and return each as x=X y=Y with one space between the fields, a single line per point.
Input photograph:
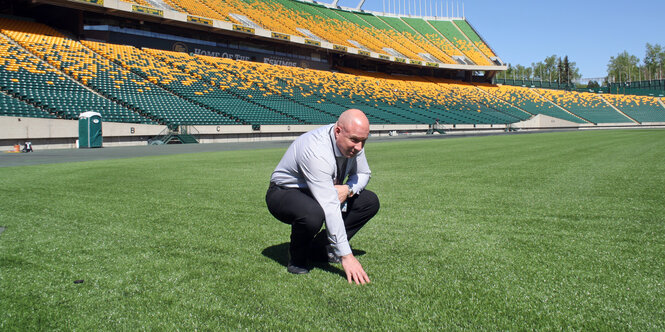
x=35 y=128
x=57 y=133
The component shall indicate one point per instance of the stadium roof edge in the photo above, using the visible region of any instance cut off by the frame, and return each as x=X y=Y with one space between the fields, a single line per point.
x=362 y=11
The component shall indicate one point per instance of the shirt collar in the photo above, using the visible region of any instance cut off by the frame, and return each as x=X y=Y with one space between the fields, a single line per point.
x=338 y=154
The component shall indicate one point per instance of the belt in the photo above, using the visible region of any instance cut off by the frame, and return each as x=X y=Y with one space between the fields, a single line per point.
x=273 y=184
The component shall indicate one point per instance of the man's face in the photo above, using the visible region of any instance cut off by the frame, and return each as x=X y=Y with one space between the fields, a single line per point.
x=351 y=139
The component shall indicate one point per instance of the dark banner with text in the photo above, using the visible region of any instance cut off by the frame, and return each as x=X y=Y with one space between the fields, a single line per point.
x=214 y=51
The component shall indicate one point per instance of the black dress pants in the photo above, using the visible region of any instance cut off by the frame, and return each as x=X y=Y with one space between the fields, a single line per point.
x=298 y=208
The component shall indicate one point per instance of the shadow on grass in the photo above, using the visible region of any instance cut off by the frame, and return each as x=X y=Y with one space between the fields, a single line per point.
x=280 y=254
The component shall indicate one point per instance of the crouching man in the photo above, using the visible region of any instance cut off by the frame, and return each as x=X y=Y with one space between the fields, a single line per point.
x=308 y=188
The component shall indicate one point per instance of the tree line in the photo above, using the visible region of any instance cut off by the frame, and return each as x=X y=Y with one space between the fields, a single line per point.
x=552 y=69
x=624 y=67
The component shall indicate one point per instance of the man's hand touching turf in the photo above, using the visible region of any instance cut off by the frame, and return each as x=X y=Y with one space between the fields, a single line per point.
x=354 y=271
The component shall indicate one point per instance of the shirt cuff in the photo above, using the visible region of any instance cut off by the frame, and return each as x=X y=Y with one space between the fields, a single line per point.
x=342 y=248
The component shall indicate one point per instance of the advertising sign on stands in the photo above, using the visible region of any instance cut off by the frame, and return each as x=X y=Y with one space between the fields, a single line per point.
x=215 y=50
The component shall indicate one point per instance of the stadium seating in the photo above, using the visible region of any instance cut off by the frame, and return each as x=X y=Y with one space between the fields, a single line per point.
x=449 y=30
x=425 y=100
x=166 y=92
x=253 y=84
x=416 y=38
x=218 y=10
x=442 y=45
x=18 y=82
x=30 y=79
x=640 y=108
x=489 y=104
x=474 y=38
x=325 y=23
x=528 y=101
x=458 y=98
x=586 y=105
x=409 y=37
x=46 y=74
x=129 y=97
x=391 y=37
x=335 y=92
x=11 y=106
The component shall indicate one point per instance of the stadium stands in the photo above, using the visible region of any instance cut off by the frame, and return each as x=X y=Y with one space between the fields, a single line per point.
x=528 y=101
x=30 y=79
x=218 y=10
x=412 y=38
x=44 y=73
x=640 y=108
x=257 y=96
x=402 y=46
x=449 y=30
x=330 y=26
x=586 y=105
x=172 y=95
x=428 y=99
x=489 y=104
x=474 y=38
x=18 y=84
x=11 y=106
x=434 y=37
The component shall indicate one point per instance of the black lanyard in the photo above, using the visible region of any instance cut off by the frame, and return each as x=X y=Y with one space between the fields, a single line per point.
x=341 y=169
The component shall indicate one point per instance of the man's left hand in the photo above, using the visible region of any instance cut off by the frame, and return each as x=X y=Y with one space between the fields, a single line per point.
x=342 y=192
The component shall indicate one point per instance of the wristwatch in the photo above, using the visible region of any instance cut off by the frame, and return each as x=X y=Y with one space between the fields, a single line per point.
x=350 y=191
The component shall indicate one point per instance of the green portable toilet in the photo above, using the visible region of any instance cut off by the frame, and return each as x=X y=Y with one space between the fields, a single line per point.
x=90 y=130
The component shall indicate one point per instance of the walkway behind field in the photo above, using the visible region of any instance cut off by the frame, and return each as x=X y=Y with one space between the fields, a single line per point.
x=51 y=156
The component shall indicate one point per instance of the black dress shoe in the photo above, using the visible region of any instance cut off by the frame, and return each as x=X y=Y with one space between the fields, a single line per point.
x=296 y=269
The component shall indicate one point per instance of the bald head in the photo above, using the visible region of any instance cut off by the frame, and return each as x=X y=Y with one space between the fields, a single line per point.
x=351 y=132
x=353 y=118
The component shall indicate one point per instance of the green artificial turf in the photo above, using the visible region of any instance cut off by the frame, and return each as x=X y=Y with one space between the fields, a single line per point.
x=540 y=231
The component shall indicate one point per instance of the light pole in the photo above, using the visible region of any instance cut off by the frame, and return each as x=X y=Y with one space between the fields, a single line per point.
x=624 y=74
x=629 y=78
x=621 y=82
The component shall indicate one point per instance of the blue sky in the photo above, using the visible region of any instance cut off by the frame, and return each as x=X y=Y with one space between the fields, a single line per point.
x=588 y=31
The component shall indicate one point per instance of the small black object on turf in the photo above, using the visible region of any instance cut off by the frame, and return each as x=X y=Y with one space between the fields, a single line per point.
x=78 y=281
